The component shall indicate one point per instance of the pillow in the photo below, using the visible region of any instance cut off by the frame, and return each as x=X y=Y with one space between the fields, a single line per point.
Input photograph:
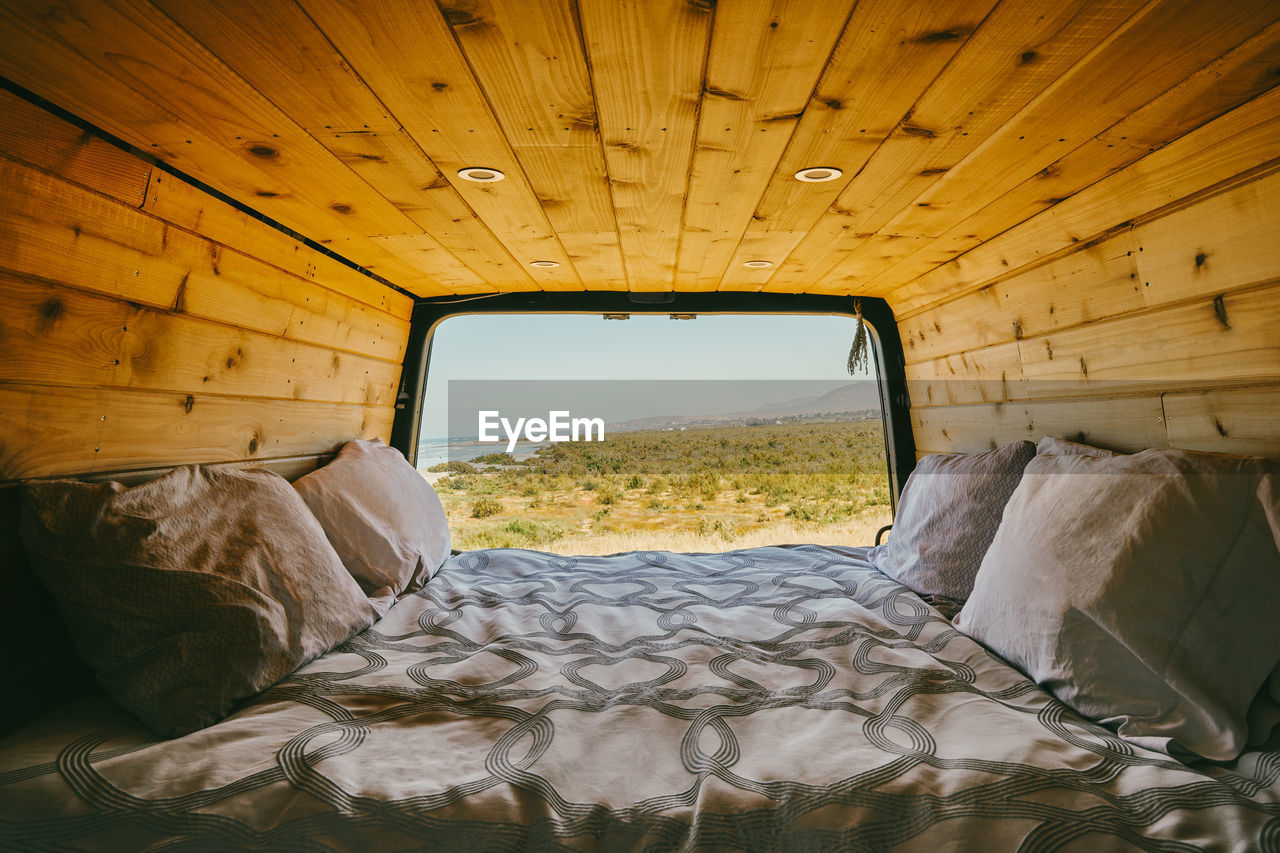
x=1062 y=447
x=382 y=517
x=191 y=591
x=1141 y=591
x=949 y=511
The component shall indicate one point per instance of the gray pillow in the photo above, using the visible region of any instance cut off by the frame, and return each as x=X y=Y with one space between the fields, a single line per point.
x=948 y=514
x=381 y=516
x=1062 y=447
x=1140 y=590
x=192 y=591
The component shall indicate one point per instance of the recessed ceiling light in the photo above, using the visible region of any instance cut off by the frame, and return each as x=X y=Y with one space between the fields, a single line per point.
x=546 y=265
x=818 y=174
x=758 y=265
x=480 y=174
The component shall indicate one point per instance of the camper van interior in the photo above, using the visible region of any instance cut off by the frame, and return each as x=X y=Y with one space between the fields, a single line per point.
x=230 y=229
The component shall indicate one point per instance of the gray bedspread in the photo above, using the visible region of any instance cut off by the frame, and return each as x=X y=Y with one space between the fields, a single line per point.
x=769 y=699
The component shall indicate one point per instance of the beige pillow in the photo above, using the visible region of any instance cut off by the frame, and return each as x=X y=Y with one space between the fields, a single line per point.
x=382 y=517
x=1140 y=590
x=192 y=591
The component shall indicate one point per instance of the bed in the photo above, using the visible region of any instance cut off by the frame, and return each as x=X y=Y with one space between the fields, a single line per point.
x=786 y=698
x=305 y=667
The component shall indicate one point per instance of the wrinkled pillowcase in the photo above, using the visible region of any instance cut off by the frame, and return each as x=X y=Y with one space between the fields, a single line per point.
x=381 y=516
x=1060 y=446
x=948 y=514
x=192 y=591
x=1140 y=590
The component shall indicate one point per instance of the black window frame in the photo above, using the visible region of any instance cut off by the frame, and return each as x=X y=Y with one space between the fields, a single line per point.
x=895 y=408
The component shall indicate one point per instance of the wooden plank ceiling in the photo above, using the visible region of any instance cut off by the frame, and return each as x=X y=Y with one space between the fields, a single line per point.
x=647 y=144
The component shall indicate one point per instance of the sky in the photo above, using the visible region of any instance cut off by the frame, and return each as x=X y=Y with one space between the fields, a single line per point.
x=550 y=348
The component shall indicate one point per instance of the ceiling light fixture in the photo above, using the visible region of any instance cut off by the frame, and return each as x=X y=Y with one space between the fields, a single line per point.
x=480 y=174
x=758 y=265
x=544 y=265
x=818 y=174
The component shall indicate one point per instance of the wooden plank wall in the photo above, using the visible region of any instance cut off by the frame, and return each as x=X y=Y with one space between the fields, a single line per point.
x=145 y=323
x=1143 y=315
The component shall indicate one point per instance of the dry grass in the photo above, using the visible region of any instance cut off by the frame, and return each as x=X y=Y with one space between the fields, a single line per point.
x=707 y=490
x=856 y=531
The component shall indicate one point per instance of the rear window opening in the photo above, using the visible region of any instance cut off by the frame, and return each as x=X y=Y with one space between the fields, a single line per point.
x=595 y=434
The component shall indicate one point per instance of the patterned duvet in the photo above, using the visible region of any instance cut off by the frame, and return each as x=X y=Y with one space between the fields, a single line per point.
x=769 y=699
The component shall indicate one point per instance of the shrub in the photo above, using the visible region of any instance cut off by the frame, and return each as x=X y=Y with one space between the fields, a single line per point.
x=516 y=533
x=453 y=466
x=485 y=507
x=458 y=483
x=495 y=459
x=635 y=481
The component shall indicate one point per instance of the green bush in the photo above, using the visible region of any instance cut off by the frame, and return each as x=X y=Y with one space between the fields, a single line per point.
x=453 y=466
x=495 y=459
x=517 y=533
x=485 y=507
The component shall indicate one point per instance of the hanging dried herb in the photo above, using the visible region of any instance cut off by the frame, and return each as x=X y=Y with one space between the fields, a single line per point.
x=858 y=355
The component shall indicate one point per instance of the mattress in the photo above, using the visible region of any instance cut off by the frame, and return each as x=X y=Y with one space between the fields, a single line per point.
x=786 y=698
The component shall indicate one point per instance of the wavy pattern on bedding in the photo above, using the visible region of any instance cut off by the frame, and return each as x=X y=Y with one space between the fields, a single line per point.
x=770 y=699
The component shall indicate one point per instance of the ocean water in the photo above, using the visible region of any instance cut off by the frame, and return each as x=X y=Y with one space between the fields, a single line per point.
x=434 y=451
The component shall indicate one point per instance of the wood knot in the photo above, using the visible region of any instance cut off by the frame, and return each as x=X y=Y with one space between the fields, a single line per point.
x=189 y=404
x=266 y=194
x=1222 y=431
x=51 y=309
x=916 y=130
x=460 y=17
x=1017 y=329
x=727 y=94
x=340 y=208
x=1220 y=311
x=253 y=445
x=940 y=36
x=439 y=87
x=1028 y=56
x=264 y=151
x=1201 y=257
